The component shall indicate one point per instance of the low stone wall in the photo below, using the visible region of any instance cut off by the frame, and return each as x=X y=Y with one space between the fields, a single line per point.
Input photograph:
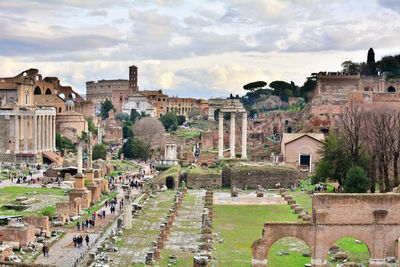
x=23 y=234
x=203 y=180
x=264 y=175
x=37 y=222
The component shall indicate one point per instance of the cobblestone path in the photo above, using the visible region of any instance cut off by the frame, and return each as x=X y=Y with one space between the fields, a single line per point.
x=184 y=239
x=137 y=241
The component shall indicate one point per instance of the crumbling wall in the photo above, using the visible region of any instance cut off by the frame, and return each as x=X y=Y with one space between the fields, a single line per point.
x=204 y=180
x=267 y=176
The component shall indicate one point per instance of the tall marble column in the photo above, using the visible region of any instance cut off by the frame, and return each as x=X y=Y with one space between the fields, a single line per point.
x=79 y=160
x=26 y=133
x=232 y=135
x=54 y=133
x=48 y=132
x=44 y=133
x=220 y=135
x=39 y=134
x=244 y=135
x=35 y=134
x=16 y=134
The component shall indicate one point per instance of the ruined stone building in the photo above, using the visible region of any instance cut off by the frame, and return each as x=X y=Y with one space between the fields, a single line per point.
x=336 y=90
x=28 y=130
x=63 y=110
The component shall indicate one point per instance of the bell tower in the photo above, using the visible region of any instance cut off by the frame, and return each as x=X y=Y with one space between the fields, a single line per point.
x=133 y=74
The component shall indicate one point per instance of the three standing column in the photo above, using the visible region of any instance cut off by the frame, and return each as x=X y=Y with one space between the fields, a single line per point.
x=35 y=134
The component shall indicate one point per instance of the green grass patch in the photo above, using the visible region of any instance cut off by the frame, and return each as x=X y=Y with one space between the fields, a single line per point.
x=357 y=253
x=240 y=226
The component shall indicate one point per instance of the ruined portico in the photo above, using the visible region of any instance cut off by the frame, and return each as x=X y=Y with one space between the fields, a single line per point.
x=232 y=106
x=371 y=218
x=170 y=156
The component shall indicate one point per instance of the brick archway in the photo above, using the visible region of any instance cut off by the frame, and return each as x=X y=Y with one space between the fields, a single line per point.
x=372 y=218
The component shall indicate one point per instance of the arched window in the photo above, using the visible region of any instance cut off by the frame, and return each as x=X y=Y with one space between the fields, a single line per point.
x=37 y=91
x=62 y=96
x=391 y=89
x=48 y=91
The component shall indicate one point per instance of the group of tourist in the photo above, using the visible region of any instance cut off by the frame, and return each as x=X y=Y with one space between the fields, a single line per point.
x=78 y=240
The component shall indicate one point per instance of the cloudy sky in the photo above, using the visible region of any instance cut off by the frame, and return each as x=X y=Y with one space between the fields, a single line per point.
x=193 y=48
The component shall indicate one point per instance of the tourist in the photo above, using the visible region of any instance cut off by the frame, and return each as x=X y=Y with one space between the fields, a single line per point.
x=104 y=214
x=83 y=226
x=74 y=240
x=78 y=226
x=87 y=240
x=44 y=250
x=87 y=223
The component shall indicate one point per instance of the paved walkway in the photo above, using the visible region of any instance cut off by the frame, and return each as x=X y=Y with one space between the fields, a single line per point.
x=64 y=254
x=185 y=232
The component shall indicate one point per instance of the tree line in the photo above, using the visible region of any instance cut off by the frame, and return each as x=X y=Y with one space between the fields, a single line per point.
x=368 y=138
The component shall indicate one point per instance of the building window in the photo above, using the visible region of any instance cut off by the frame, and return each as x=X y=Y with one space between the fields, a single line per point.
x=27 y=99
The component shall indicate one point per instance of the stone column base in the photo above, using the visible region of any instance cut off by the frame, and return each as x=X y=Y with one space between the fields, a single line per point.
x=377 y=262
x=259 y=263
x=318 y=262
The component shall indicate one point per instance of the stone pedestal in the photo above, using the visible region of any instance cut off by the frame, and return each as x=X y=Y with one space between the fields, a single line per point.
x=92 y=186
x=80 y=191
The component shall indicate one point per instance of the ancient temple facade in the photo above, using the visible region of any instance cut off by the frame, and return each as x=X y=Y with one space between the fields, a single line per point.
x=27 y=131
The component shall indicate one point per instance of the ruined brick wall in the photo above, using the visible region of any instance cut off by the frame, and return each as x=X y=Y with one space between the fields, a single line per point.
x=266 y=176
x=203 y=180
x=37 y=222
x=22 y=234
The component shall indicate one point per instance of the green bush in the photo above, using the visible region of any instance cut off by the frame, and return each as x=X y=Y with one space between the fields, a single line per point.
x=99 y=152
x=63 y=142
x=162 y=167
x=48 y=211
x=356 y=180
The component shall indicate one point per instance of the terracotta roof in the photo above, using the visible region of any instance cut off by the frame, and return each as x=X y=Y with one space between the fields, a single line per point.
x=290 y=137
x=7 y=85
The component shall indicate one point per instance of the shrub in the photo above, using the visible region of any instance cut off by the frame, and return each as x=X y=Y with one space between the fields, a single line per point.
x=356 y=180
x=99 y=152
x=162 y=167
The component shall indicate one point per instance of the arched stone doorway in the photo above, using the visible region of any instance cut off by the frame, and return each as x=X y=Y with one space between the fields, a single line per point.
x=391 y=89
x=37 y=91
x=169 y=182
x=352 y=248
x=288 y=252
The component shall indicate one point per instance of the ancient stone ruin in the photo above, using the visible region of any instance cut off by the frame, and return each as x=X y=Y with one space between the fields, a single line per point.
x=375 y=222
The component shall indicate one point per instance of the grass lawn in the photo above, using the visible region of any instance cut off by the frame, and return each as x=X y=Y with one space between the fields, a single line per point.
x=8 y=195
x=240 y=226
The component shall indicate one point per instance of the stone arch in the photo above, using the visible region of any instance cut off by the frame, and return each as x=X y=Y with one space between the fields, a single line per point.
x=273 y=232
x=37 y=91
x=350 y=235
x=289 y=129
x=392 y=238
x=391 y=89
x=339 y=232
x=48 y=91
x=272 y=251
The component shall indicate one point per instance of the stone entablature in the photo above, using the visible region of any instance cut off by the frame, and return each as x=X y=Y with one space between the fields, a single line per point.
x=371 y=218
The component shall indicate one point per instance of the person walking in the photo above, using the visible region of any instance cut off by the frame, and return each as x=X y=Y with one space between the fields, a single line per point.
x=87 y=240
x=104 y=214
x=78 y=226
x=74 y=240
x=44 y=250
